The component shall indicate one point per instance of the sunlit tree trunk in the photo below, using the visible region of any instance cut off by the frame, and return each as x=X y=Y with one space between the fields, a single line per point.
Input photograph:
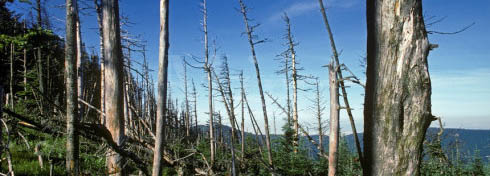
x=333 y=144
x=71 y=90
x=113 y=82
x=162 y=88
x=397 y=108
x=207 y=68
x=79 y=62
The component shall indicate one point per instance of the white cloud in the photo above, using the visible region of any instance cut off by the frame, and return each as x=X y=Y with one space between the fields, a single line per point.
x=308 y=6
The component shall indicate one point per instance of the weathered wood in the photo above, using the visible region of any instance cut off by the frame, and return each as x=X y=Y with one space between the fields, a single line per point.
x=113 y=82
x=162 y=88
x=397 y=108
x=333 y=144
x=207 y=68
x=72 y=140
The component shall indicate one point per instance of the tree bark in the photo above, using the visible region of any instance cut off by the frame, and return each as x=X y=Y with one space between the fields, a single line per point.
x=162 y=87
x=72 y=146
x=397 y=108
x=113 y=82
x=333 y=144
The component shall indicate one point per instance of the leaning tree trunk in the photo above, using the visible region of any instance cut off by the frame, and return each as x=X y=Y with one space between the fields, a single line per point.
x=113 y=82
x=162 y=88
x=397 y=109
x=71 y=90
x=252 y=43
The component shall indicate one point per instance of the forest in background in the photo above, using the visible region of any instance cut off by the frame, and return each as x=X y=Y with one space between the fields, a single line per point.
x=104 y=115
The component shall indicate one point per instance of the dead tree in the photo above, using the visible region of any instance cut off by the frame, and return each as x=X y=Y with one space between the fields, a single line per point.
x=252 y=43
x=194 y=95
x=397 y=107
x=113 y=82
x=319 y=108
x=291 y=44
x=207 y=68
x=187 y=111
x=72 y=146
x=162 y=88
x=341 y=79
x=333 y=144
x=243 y=114
x=79 y=61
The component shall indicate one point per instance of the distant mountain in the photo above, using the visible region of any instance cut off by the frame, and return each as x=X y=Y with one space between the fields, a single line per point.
x=468 y=140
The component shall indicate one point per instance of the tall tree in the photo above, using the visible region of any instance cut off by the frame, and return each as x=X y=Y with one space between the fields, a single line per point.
x=72 y=146
x=162 y=87
x=292 y=54
x=397 y=107
x=207 y=68
x=113 y=82
x=252 y=43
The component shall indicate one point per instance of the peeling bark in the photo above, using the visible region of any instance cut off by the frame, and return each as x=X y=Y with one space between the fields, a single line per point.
x=113 y=82
x=397 y=110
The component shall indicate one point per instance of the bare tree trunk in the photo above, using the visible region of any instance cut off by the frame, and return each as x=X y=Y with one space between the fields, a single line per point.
x=162 y=88
x=194 y=94
x=249 y=31
x=341 y=82
x=243 y=114
x=79 y=62
x=113 y=82
x=98 y=9
x=187 y=113
x=333 y=144
x=288 y=100
x=72 y=146
x=295 y=81
x=397 y=108
x=319 y=112
x=207 y=68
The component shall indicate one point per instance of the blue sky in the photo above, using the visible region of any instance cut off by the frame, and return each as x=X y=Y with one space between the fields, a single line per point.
x=459 y=68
